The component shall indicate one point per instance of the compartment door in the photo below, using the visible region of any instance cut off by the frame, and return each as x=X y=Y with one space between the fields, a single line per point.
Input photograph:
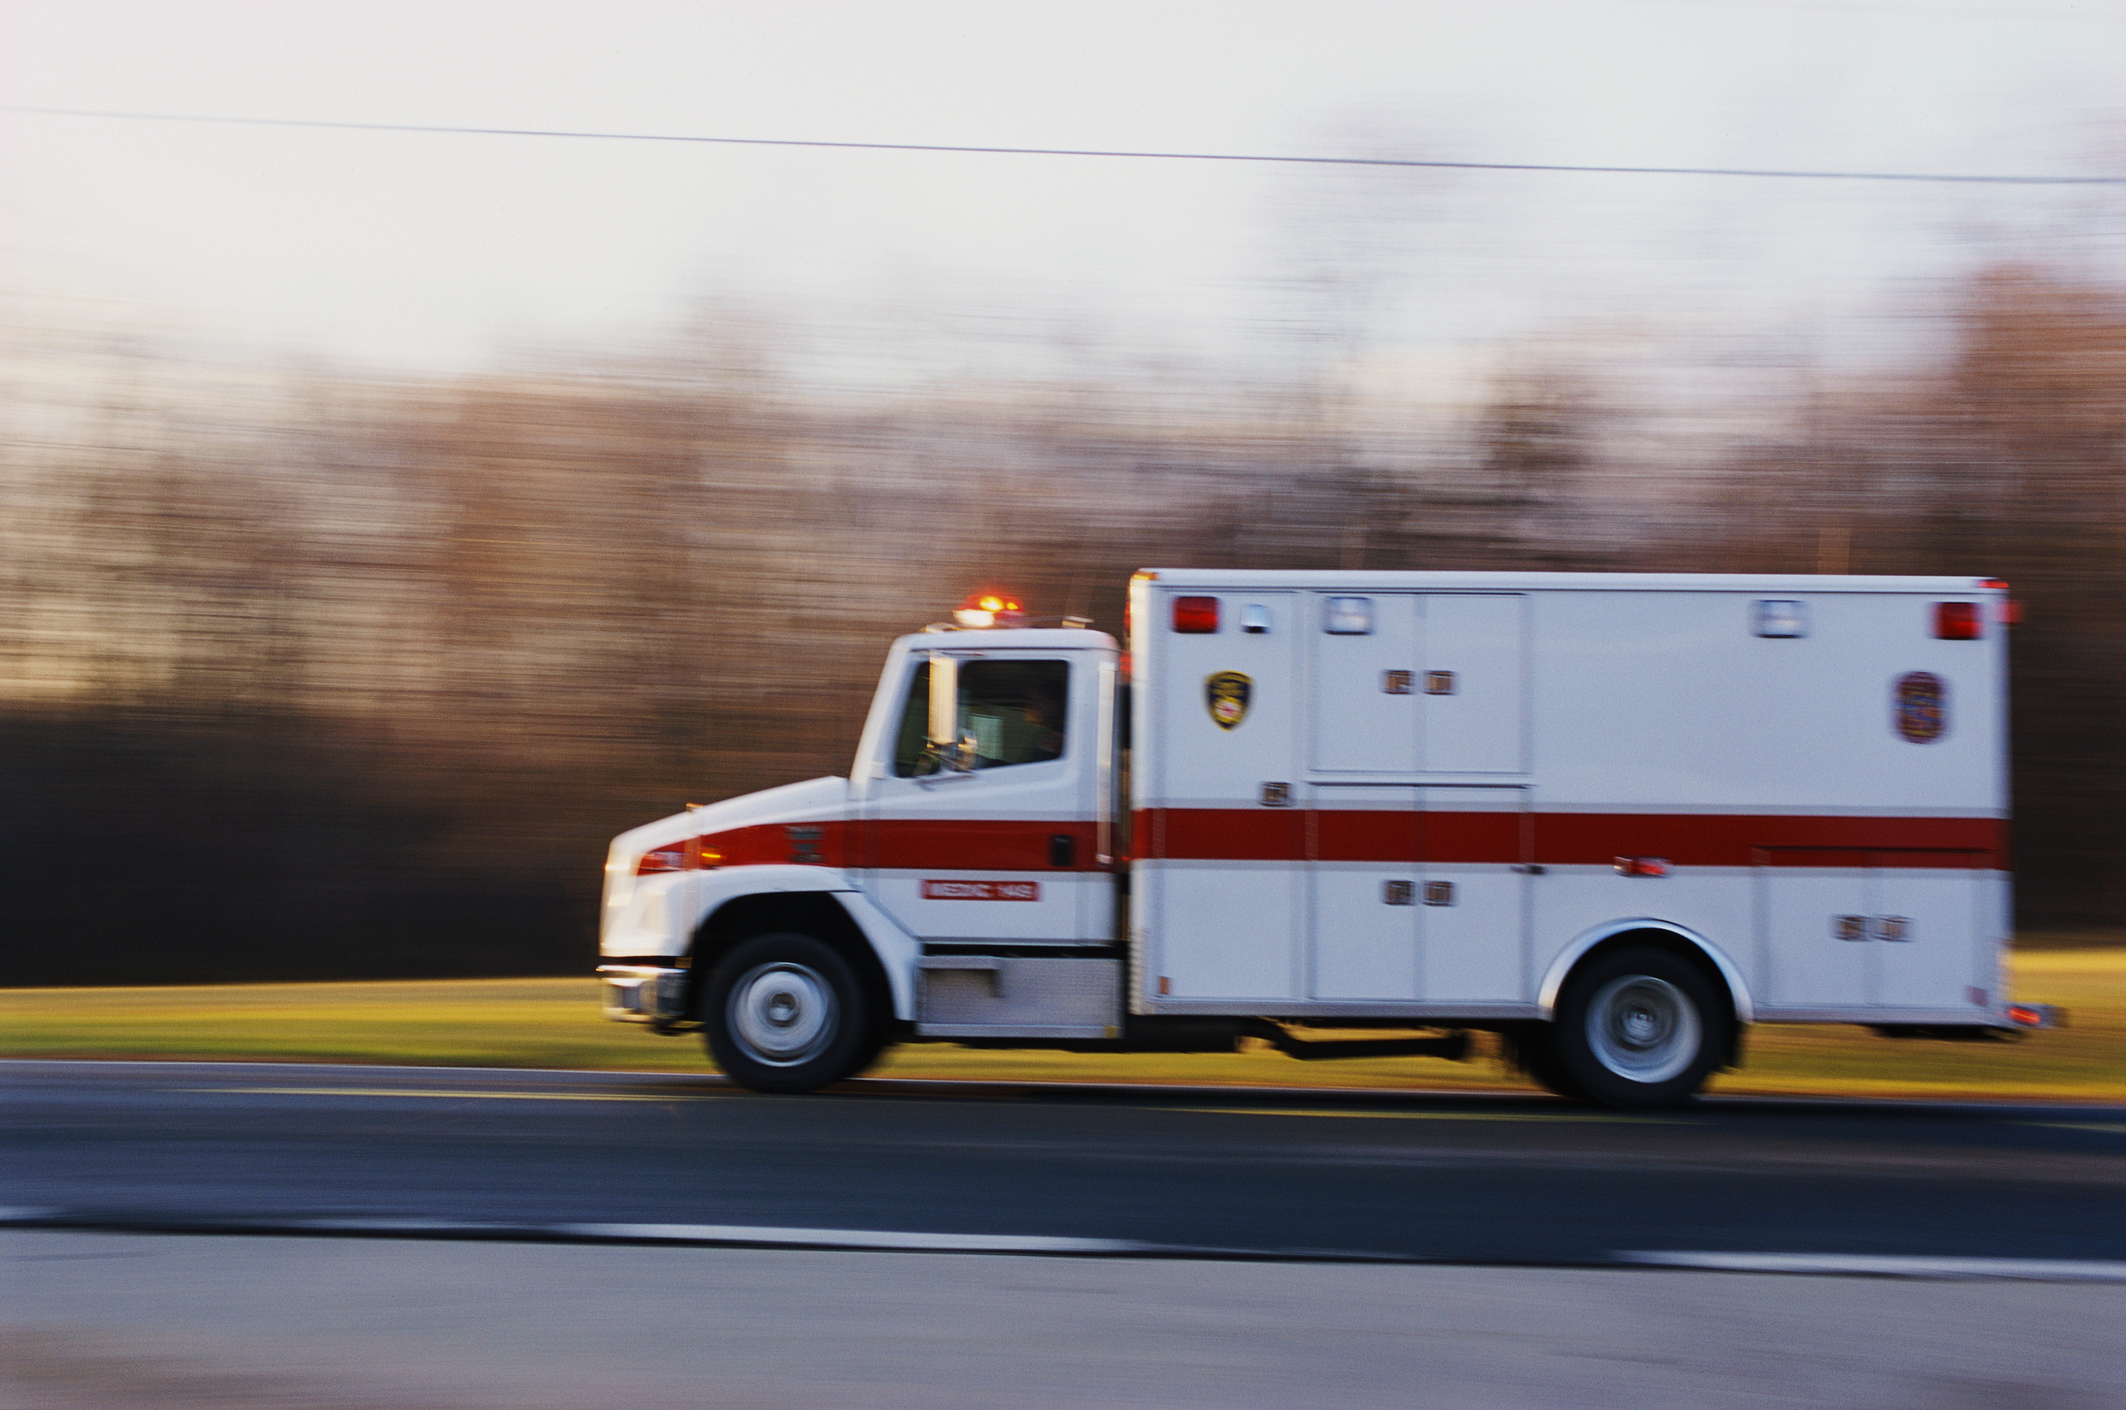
x=1364 y=893
x=1220 y=884
x=1812 y=908
x=1472 y=900
x=1474 y=683
x=1365 y=687
x=1925 y=925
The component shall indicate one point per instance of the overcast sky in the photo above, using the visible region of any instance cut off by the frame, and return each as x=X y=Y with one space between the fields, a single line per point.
x=443 y=250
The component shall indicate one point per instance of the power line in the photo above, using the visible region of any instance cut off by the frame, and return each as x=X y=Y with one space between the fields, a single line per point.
x=1985 y=180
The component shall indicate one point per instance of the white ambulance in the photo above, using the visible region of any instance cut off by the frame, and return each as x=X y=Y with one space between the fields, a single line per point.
x=1615 y=818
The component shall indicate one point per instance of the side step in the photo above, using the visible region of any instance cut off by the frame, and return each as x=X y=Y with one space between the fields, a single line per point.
x=1454 y=1047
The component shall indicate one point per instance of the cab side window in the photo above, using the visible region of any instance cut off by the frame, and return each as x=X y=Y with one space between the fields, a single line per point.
x=1015 y=712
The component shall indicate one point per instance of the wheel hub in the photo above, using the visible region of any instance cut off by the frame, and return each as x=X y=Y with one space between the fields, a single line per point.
x=1644 y=1029
x=783 y=1014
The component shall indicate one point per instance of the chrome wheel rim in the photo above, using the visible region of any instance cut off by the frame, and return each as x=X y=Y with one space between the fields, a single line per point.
x=782 y=1014
x=1643 y=1029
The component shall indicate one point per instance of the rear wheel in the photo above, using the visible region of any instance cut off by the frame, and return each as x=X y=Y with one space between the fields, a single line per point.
x=786 y=1013
x=1535 y=1051
x=1641 y=1027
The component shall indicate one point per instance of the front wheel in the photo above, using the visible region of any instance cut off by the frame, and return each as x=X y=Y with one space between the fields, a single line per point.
x=1641 y=1028
x=786 y=1013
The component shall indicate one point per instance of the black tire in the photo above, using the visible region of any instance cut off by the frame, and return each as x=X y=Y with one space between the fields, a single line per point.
x=1535 y=1052
x=786 y=1013
x=1641 y=1028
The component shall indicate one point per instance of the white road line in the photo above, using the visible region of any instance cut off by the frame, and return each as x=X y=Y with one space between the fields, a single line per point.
x=387 y=1225
x=2040 y=1270
x=853 y=1238
x=2110 y=1128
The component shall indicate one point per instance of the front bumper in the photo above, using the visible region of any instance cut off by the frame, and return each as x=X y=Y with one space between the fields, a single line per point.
x=636 y=993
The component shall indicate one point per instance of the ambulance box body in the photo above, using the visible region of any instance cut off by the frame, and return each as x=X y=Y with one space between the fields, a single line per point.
x=1435 y=790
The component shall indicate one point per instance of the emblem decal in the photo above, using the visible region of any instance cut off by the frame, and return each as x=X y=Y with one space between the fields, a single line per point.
x=1226 y=696
x=1921 y=709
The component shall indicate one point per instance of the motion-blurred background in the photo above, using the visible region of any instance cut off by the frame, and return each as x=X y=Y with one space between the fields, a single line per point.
x=389 y=517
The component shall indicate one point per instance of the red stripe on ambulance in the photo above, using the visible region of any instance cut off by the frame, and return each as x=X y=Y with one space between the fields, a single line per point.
x=1568 y=839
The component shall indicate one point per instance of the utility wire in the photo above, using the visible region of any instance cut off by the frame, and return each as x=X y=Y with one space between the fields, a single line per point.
x=1090 y=152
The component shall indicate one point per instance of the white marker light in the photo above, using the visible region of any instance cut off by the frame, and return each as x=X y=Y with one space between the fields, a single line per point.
x=1347 y=616
x=1775 y=617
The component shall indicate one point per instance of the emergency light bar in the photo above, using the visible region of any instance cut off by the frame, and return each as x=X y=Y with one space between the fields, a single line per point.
x=989 y=609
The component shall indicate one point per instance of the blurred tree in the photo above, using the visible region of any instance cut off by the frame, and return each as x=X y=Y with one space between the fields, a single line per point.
x=381 y=664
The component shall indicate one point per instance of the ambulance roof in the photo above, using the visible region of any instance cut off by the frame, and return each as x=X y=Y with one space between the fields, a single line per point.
x=1382 y=581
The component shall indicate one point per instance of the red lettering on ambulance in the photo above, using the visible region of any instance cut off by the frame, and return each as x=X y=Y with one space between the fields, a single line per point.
x=981 y=890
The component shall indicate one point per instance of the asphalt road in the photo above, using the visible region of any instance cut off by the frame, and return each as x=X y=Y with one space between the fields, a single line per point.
x=1476 y=1178
x=100 y=1321
x=2000 y=1225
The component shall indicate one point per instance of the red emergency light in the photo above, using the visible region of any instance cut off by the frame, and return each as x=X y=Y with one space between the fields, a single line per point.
x=1958 y=621
x=1196 y=614
x=989 y=609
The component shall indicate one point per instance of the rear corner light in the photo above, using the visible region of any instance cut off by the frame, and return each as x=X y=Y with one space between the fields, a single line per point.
x=1642 y=866
x=1958 y=621
x=1197 y=615
x=673 y=858
x=2036 y=1016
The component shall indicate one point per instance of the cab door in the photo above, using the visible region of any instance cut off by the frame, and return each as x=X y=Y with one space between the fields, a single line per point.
x=996 y=839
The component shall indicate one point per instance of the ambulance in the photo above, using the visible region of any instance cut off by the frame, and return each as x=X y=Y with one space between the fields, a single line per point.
x=1615 y=819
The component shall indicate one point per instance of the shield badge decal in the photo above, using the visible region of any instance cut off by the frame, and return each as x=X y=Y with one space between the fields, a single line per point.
x=1226 y=696
x=1922 y=711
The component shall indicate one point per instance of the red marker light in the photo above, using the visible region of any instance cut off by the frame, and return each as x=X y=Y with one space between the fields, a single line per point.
x=1642 y=866
x=1958 y=621
x=1196 y=614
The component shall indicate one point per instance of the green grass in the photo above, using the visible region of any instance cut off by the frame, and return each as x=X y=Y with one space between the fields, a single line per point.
x=555 y=1023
